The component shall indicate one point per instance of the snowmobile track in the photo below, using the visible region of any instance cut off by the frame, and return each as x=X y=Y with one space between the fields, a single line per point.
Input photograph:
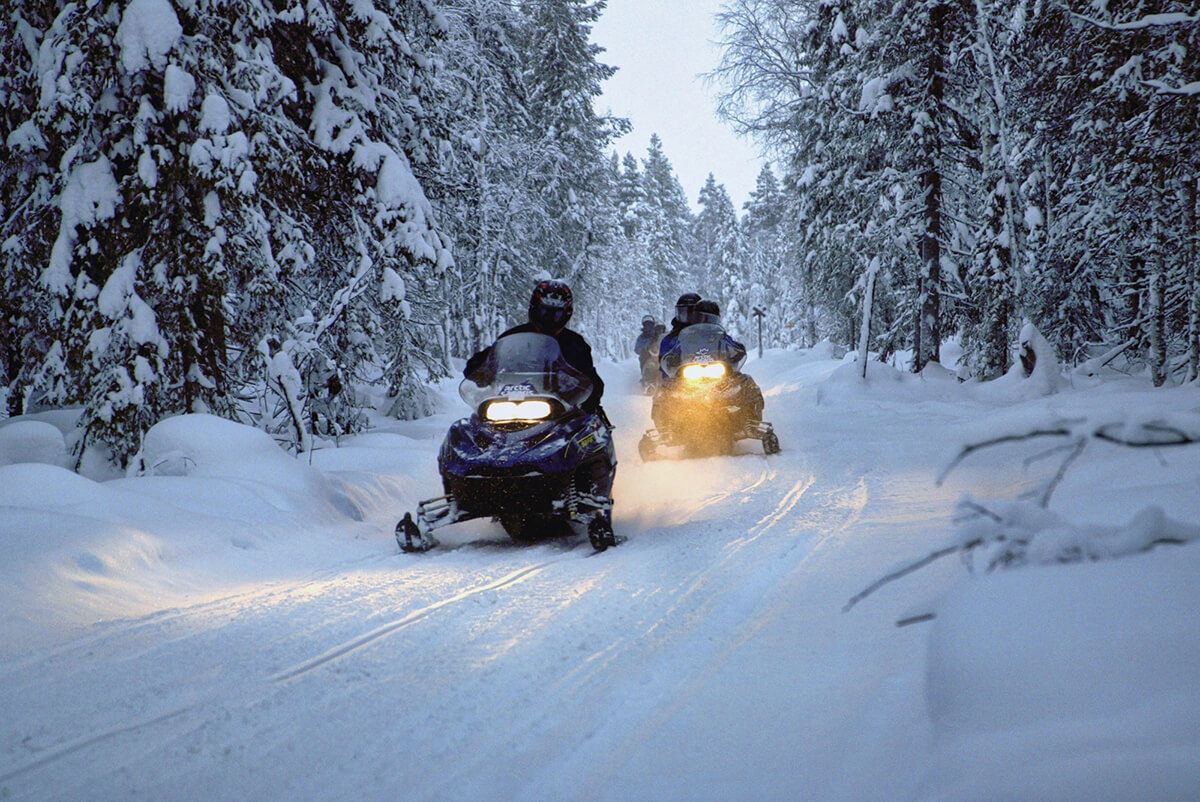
x=354 y=644
x=65 y=750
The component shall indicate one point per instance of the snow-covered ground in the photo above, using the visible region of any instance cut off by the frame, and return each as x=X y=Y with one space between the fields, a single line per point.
x=239 y=624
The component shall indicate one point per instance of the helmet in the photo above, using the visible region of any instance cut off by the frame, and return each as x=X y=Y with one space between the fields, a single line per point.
x=707 y=312
x=550 y=306
x=685 y=306
x=648 y=320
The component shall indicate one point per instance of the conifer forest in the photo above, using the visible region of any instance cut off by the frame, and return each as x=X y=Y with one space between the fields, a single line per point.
x=284 y=213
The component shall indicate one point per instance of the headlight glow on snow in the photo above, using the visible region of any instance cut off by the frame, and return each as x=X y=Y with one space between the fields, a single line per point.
x=511 y=411
x=713 y=370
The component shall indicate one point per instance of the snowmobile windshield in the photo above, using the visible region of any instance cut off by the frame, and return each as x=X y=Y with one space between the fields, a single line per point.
x=525 y=365
x=703 y=343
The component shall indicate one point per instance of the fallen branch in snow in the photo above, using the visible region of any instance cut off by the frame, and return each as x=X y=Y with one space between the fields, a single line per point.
x=1008 y=533
x=1019 y=533
x=897 y=574
x=1179 y=430
x=1059 y=430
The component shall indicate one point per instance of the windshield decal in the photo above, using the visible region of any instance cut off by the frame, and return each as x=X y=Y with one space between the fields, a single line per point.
x=525 y=388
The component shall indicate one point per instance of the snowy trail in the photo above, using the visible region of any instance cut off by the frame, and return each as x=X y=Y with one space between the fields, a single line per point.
x=486 y=670
x=251 y=631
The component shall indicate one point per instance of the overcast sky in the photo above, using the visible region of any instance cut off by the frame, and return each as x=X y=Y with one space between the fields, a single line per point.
x=661 y=48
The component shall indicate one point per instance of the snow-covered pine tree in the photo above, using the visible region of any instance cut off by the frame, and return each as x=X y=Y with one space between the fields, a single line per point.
x=723 y=272
x=665 y=223
x=853 y=98
x=520 y=187
x=563 y=76
x=991 y=307
x=1069 y=290
x=480 y=187
x=1130 y=123
x=213 y=191
x=25 y=307
x=1191 y=216
x=630 y=194
x=632 y=284
x=711 y=200
x=770 y=279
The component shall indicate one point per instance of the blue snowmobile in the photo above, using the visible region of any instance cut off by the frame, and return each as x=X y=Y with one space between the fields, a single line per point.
x=528 y=454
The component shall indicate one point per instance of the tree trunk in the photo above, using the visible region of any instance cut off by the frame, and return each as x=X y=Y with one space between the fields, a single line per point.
x=927 y=342
x=864 y=336
x=1192 y=217
x=1155 y=321
x=1155 y=287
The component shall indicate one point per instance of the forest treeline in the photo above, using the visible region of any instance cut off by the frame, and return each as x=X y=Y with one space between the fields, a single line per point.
x=285 y=212
x=986 y=162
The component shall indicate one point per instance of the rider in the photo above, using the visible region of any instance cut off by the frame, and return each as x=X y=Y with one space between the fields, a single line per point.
x=749 y=393
x=684 y=317
x=644 y=341
x=550 y=307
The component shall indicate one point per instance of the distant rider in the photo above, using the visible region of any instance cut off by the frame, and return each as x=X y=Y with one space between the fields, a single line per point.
x=685 y=311
x=644 y=341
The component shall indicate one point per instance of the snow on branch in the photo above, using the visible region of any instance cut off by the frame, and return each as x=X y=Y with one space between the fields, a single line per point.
x=1164 y=88
x=1148 y=21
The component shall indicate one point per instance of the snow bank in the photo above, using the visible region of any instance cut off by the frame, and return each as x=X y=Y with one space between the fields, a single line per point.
x=1079 y=675
x=32 y=441
x=207 y=502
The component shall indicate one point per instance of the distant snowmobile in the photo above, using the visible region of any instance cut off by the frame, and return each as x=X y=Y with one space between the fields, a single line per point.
x=526 y=454
x=703 y=404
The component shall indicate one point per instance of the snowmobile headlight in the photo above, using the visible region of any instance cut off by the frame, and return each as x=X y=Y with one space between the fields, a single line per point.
x=712 y=370
x=514 y=411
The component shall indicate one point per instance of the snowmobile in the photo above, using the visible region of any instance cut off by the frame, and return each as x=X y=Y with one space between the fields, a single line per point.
x=702 y=403
x=527 y=454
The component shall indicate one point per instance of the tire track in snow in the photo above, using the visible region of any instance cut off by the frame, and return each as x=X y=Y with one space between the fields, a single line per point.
x=118 y=632
x=712 y=610
x=588 y=676
x=717 y=498
x=782 y=509
x=354 y=644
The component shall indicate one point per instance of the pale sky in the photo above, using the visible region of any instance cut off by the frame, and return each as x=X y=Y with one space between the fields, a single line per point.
x=661 y=48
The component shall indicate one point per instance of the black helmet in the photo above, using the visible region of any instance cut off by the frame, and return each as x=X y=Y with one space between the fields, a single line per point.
x=684 y=307
x=550 y=306
x=707 y=312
